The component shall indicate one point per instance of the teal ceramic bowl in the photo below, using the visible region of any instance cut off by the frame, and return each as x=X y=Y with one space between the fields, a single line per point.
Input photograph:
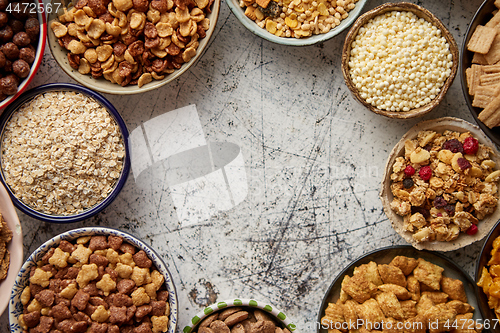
x=314 y=39
x=250 y=303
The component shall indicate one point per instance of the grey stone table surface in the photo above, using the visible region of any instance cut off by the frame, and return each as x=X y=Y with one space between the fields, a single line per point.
x=313 y=161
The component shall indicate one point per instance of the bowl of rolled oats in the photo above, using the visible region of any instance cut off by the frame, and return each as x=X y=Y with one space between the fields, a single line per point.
x=440 y=186
x=399 y=60
x=94 y=279
x=240 y=316
x=129 y=47
x=296 y=22
x=64 y=153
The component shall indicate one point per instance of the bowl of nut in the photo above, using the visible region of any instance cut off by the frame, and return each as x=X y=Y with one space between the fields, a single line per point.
x=23 y=32
x=399 y=60
x=398 y=289
x=64 y=153
x=129 y=47
x=440 y=185
x=479 y=61
x=296 y=22
x=240 y=315
x=94 y=278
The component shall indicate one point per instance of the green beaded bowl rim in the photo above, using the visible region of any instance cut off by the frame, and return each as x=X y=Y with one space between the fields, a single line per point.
x=240 y=302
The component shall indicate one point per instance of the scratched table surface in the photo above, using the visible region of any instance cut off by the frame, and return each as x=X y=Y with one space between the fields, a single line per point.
x=308 y=193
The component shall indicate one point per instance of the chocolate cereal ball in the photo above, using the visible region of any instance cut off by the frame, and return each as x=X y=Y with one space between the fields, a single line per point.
x=21 y=39
x=11 y=51
x=6 y=34
x=2 y=59
x=27 y=54
x=16 y=25
x=32 y=27
x=22 y=13
x=4 y=19
x=21 y=68
x=8 y=84
x=4 y=4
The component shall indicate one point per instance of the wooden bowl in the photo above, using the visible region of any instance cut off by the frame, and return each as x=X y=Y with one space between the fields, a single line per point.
x=438 y=125
x=421 y=13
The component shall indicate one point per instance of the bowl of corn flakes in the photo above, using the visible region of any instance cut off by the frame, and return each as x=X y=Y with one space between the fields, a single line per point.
x=296 y=22
x=114 y=281
x=440 y=186
x=128 y=47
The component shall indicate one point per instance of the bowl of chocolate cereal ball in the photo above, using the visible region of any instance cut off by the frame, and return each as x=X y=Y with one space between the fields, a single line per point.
x=129 y=47
x=23 y=32
x=296 y=22
x=94 y=279
x=440 y=185
x=240 y=315
x=399 y=60
x=64 y=153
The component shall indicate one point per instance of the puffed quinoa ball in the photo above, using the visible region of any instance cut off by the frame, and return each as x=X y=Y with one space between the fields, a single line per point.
x=399 y=62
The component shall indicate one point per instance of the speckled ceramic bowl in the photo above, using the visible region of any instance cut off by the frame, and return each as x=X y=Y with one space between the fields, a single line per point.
x=117 y=187
x=15 y=247
x=438 y=125
x=250 y=303
x=105 y=86
x=16 y=307
x=253 y=27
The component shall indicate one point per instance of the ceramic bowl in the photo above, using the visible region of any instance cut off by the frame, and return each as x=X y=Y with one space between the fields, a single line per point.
x=482 y=260
x=249 y=303
x=38 y=56
x=385 y=256
x=22 y=280
x=120 y=181
x=483 y=15
x=438 y=125
x=105 y=86
x=15 y=247
x=234 y=5
x=420 y=12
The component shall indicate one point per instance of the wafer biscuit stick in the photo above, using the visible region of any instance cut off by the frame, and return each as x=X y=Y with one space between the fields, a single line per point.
x=481 y=40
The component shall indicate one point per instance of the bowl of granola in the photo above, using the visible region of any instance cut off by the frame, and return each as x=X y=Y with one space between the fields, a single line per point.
x=296 y=22
x=64 y=153
x=440 y=186
x=240 y=315
x=97 y=280
x=128 y=47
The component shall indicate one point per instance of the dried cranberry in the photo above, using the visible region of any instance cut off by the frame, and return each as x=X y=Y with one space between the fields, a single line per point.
x=472 y=230
x=450 y=210
x=428 y=147
x=439 y=202
x=454 y=146
x=470 y=145
x=421 y=210
x=463 y=163
x=439 y=215
x=408 y=183
x=425 y=172
x=409 y=171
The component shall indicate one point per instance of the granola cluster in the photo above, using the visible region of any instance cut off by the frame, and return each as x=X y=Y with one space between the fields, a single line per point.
x=443 y=185
x=97 y=284
x=62 y=152
x=408 y=294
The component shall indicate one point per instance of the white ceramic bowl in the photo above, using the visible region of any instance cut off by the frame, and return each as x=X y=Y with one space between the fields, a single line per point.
x=438 y=125
x=250 y=303
x=253 y=27
x=15 y=247
x=38 y=57
x=105 y=86
x=16 y=307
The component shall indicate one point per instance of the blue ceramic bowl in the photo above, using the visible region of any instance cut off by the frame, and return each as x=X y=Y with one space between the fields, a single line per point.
x=121 y=179
x=16 y=307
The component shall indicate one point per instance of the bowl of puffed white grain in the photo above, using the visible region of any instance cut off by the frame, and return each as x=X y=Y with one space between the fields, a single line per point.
x=399 y=60
x=64 y=153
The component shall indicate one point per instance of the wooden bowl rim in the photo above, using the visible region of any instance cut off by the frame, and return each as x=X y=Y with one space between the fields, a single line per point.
x=421 y=13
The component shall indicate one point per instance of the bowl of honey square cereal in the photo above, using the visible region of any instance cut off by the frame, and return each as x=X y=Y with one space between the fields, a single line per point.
x=440 y=186
x=399 y=288
x=129 y=47
x=399 y=60
x=296 y=22
x=94 y=279
x=64 y=153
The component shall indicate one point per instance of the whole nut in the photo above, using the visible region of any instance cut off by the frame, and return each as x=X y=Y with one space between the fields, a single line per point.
x=219 y=327
x=235 y=318
x=263 y=326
